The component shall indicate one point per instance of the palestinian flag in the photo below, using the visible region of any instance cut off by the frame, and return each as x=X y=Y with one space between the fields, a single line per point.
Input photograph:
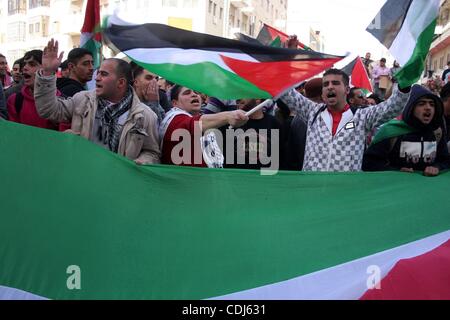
x=358 y=75
x=218 y=67
x=91 y=30
x=406 y=28
x=79 y=222
x=243 y=37
x=270 y=36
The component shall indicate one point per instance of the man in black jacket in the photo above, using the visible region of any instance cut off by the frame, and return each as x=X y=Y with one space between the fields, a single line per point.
x=416 y=143
x=81 y=69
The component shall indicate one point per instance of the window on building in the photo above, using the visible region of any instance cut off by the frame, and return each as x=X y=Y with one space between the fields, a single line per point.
x=170 y=3
x=38 y=3
x=30 y=28
x=37 y=27
x=435 y=65
x=16 y=31
x=17 y=6
x=215 y=10
x=441 y=63
x=210 y=6
x=221 y=13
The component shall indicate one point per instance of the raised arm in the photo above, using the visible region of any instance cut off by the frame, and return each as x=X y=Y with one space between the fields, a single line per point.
x=47 y=104
x=302 y=105
x=387 y=110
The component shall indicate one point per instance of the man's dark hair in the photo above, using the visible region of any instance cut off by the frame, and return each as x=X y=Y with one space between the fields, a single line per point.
x=20 y=62
x=33 y=54
x=376 y=98
x=338 y=73
x=64 y=65
x=123 y=69
x=136 y=69
x=351 y=94
x=76 y=54
x=175 y=91
x=2 y=56
x=445 y=91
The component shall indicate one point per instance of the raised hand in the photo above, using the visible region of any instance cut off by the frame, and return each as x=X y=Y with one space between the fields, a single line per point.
x=50 y=59
x=151 y=92
x=431 y=172
x=237 y=118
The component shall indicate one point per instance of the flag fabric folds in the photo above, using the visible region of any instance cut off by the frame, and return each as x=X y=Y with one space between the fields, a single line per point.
x=270 y=36
x=166 y=232
x=218 y=67
x=358 y=75
x=91 y=31
x=406 y=28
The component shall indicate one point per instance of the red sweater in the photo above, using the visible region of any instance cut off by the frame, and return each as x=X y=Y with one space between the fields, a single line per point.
x=181 y=121
x=28 y=114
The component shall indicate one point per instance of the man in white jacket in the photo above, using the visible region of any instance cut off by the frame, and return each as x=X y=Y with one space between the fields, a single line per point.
x=336 y=133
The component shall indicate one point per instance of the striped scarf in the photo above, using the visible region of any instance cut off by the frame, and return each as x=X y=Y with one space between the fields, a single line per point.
x=110 y=130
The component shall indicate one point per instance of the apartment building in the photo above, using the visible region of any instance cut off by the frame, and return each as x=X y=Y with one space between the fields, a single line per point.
x=28 y=24
x=439 y=53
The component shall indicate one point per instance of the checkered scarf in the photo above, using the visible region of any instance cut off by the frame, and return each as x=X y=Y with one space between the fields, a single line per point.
x=109 y=130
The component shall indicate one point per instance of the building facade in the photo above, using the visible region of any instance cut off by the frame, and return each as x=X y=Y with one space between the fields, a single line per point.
x=439 y=54
x=29 y=24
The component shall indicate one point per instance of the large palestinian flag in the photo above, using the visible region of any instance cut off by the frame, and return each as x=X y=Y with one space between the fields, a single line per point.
x=219 y=67
x=79 y=222
x=406 y=28
x=358 y=75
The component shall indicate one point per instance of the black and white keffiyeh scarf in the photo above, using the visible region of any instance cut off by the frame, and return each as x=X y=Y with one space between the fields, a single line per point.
x=109 y=129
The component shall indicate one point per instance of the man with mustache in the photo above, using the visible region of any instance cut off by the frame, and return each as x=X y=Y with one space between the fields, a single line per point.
x=336 y=133
x=81 y=68
x=111 y=116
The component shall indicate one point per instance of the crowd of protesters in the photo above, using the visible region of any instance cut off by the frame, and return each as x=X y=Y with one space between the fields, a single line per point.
x=322 y=125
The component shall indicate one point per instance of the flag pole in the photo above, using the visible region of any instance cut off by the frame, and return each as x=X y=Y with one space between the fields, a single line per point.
x=267 y=103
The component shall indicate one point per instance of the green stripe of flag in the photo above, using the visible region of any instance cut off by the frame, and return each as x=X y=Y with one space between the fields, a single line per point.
x=410 y=73
x=212 y=78
x=162 y=232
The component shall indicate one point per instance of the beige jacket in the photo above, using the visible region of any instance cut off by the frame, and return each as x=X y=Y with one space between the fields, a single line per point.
x=139 y=139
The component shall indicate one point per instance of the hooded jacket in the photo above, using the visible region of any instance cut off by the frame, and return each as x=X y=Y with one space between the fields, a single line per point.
x=416 y=145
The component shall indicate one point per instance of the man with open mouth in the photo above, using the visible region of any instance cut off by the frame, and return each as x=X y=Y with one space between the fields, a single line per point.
x=111 y=116
x=336 y=133
x=416 y=143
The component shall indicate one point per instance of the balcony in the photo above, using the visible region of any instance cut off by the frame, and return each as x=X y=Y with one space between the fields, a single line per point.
x=241 y=3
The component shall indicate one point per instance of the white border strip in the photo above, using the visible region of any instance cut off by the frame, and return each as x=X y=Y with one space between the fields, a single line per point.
x=343 y=282
x=7 y=293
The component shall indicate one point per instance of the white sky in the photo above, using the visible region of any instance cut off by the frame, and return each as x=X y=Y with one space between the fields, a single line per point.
x=342 y=23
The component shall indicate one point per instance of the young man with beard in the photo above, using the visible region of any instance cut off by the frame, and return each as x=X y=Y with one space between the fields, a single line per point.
x=22 y=105
x=81 y=68
x=416 y=143
x=111 y=116
x=336 y=135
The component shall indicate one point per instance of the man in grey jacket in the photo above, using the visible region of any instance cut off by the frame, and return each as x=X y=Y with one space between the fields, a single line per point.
x=111 y=116
x=336 y=133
